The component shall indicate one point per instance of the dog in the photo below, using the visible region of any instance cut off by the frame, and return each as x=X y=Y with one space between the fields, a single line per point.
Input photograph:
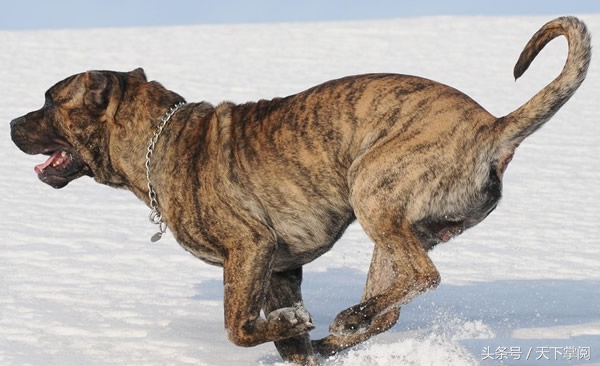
x=266 y=187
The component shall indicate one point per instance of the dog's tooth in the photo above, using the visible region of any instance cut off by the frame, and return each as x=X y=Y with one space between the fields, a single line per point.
x=63 y=154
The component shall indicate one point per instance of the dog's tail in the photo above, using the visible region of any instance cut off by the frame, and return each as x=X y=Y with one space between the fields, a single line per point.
x=538 y=110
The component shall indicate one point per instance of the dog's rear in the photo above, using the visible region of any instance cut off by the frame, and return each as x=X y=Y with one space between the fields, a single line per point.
x=448 y=185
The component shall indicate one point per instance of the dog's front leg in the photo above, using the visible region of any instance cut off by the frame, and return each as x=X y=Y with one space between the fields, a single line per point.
x=285 y=291
x=247 y=274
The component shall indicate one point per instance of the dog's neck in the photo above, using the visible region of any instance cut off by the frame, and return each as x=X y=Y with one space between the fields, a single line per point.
x=155 y=215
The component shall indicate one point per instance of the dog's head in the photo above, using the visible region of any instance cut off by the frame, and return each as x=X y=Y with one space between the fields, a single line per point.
x=76 y=124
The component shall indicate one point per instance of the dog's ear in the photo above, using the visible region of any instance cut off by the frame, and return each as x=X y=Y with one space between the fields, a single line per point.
x=97 y=85
x=139 y=74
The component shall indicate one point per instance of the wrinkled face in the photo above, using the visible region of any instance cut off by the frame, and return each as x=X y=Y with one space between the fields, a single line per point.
x=71 y=127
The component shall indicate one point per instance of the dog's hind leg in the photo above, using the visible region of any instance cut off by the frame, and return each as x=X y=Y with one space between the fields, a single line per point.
x=381 y=275
x=401 y=268
x=414 y=271
x=414 y=274
x=284 y=291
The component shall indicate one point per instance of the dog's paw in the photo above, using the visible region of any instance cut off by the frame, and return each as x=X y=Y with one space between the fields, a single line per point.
x=351 y=321
x=290 y=321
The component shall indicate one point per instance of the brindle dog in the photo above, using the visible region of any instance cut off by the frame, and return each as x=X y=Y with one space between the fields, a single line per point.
x=264 y=188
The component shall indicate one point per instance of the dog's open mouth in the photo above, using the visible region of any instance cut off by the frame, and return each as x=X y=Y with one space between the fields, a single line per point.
x=58 y=160
x=60 y=168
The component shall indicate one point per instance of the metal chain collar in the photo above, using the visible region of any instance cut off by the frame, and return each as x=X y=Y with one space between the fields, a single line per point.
x=155 y=215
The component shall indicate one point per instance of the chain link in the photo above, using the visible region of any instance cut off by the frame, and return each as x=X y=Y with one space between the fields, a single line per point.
x=155 y=215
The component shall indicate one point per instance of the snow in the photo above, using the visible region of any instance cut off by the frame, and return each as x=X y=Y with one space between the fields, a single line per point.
x=81 y=284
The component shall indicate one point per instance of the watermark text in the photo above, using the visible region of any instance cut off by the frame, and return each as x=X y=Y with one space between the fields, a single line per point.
x=536 y=353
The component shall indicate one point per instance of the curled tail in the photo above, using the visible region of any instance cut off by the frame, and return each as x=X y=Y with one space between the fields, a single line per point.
x=539 y=109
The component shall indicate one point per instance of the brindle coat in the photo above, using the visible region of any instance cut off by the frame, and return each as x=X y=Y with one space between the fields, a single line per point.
x=264 y=188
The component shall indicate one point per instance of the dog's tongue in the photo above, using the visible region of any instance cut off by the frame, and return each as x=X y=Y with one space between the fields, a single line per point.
x=55 y=159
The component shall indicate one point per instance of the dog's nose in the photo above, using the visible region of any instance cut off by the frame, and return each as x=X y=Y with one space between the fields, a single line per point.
x=14 y=122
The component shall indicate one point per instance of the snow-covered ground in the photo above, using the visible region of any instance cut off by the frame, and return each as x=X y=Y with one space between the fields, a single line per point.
x=81 y=284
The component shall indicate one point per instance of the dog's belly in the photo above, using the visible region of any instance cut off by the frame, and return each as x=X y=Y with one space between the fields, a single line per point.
x=302 y=241
x=302 y=234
